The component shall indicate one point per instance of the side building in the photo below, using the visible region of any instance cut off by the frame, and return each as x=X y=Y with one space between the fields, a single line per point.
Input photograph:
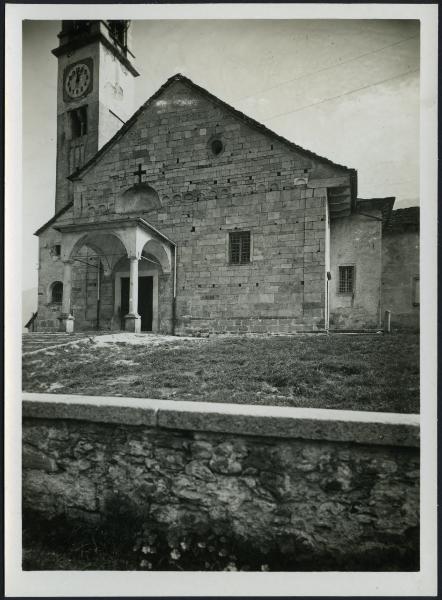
x=400 y=268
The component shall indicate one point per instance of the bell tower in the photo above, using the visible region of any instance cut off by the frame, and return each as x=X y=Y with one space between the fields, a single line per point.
x=94 y=93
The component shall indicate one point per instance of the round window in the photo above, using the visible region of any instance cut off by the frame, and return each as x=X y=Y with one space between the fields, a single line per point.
x=217 y=147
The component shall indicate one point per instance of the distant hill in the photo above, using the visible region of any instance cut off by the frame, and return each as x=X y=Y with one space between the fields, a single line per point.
x=29 y=305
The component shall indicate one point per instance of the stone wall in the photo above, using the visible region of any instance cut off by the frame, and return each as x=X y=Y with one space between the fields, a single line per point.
x=50 y=270
x=400 y=278
x=335 y=482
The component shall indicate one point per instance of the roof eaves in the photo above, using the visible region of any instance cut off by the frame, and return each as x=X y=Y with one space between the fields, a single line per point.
x=54 y=218
x=383 y=204
x=156 y=231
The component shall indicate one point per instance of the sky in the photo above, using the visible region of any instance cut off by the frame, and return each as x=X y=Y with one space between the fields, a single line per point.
x=344 y=89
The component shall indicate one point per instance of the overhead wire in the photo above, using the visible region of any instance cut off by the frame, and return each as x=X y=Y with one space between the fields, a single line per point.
x=337 y=65
x=364 y=87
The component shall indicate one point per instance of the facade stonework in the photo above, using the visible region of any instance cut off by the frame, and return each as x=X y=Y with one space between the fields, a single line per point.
x=160 y=200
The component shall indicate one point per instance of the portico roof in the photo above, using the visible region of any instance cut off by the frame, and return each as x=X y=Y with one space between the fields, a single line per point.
x=110 y=224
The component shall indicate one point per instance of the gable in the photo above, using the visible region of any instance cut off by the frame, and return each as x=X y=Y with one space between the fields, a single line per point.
x=180 y=91
x=190 y=145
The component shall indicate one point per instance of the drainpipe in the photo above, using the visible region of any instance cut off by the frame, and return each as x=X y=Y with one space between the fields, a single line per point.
x=174 y=292
x=98 y=293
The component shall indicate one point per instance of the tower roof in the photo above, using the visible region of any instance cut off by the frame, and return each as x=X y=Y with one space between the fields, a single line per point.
x=112 y=34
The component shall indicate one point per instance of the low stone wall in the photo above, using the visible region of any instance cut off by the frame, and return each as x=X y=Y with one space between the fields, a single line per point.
x=330 y=482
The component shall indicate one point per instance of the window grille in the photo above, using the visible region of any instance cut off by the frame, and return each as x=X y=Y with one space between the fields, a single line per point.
x=57 y=292
x=239 y=247
x=346 y=279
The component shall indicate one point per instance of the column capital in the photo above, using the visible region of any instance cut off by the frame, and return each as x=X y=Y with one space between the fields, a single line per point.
x=132 y=257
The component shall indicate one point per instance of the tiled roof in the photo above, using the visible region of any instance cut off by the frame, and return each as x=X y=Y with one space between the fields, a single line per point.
x=403 y=219
x=248 y=120
x=385 y=205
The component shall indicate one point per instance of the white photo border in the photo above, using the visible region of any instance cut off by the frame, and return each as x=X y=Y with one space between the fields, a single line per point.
x=111 y=584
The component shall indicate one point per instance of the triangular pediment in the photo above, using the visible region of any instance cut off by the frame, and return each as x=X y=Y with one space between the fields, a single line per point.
x=171 y=88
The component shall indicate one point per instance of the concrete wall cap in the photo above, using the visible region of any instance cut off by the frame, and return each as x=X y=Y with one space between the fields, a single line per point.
x=275 y=421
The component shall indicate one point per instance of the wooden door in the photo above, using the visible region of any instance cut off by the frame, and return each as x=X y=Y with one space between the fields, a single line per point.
x=145 y=300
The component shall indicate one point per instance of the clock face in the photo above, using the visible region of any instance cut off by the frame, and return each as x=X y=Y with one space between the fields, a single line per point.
x=77 y=80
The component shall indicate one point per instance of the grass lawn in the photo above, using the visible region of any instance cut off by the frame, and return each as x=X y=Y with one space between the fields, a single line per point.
x=359 y=372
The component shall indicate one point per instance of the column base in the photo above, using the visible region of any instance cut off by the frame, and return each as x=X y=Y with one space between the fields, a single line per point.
x=66 y=323
x=132 y=323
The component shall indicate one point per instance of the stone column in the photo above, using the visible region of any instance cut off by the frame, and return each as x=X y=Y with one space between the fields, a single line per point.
x=66 y=319
x=132 y=320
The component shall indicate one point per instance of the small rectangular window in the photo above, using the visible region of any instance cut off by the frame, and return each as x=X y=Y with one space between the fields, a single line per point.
x=239 y=247
x=416 y=291
x=78 y=122
x=346 y=279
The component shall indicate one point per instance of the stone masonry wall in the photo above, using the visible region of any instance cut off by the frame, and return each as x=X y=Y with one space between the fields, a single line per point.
x=400 y=276
x=248 y=186
x=50 y=270
x=304 y=480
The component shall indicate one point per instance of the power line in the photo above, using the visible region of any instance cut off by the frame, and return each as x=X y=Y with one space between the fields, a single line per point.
x=344 y=62
x=402 y=182
x=365 y=87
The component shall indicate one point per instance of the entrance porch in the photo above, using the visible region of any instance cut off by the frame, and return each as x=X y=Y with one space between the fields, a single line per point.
x=118 y=275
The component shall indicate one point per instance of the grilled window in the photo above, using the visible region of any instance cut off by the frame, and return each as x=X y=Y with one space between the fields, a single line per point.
x=346 y=279
x=57 y=292
x=239 y=247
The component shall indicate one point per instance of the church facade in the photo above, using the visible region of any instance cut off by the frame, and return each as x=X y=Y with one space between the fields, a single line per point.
x=190 y=217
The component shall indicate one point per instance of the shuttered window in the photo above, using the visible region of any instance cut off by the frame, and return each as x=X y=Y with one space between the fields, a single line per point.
x=239 y=247
x=346 y=279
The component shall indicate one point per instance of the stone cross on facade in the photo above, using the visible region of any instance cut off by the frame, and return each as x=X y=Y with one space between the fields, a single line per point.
x=140 y=173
